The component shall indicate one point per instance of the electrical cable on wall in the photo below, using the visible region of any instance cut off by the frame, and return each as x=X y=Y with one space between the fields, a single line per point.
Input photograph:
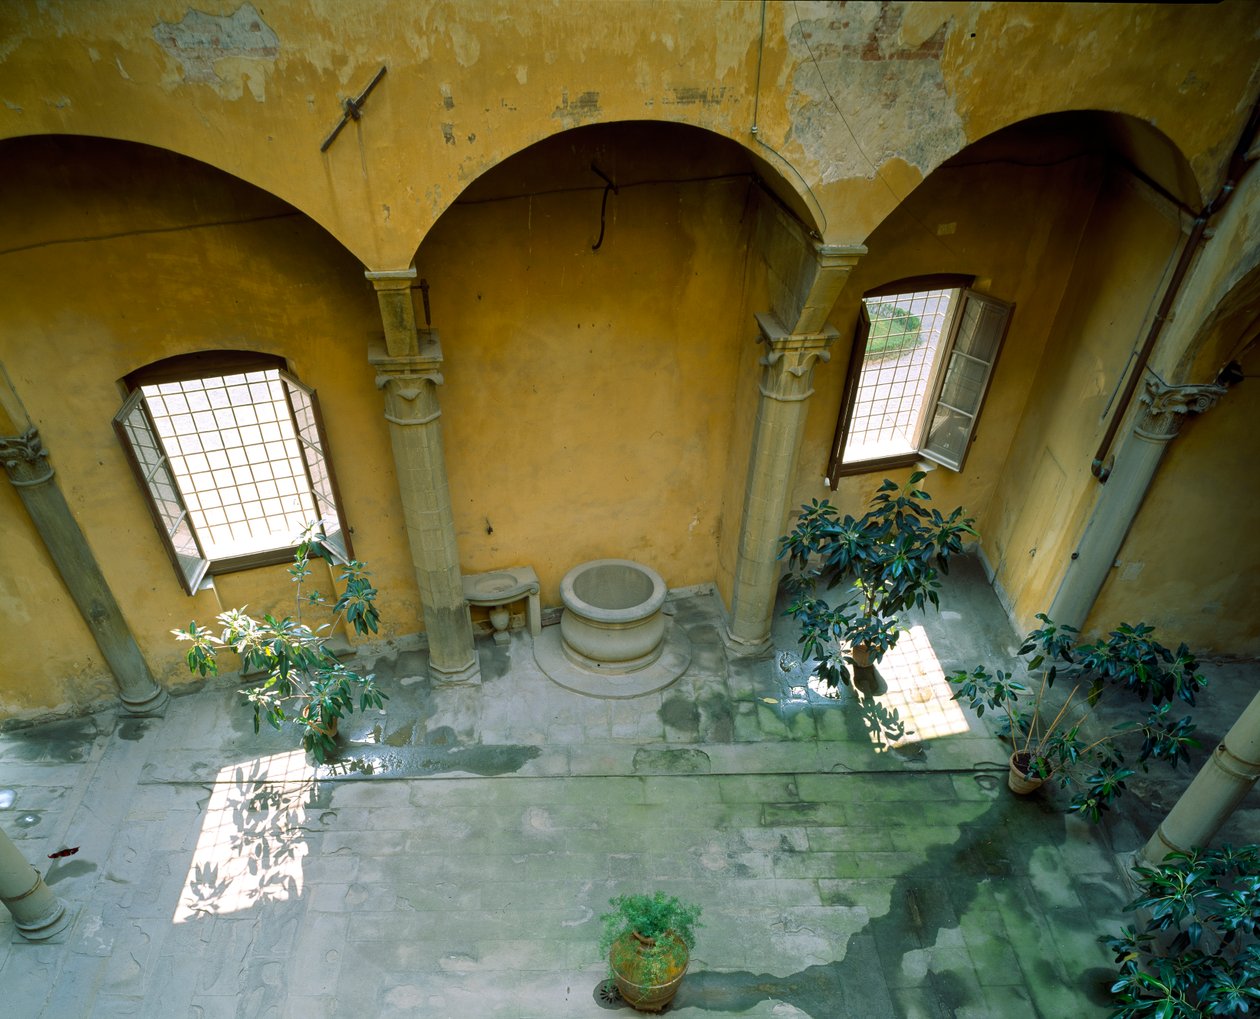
x=603 y=205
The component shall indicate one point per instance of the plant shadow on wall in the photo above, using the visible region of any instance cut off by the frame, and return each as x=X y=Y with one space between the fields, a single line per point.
x=1051 y=735
x=303 y=682
x=886 y=562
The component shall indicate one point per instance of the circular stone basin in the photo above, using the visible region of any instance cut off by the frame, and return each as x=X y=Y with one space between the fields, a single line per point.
x=612 y=620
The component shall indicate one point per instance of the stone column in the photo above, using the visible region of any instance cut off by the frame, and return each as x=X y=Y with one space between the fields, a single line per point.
x=37 y=912
x=1163 y=409
x=408 y=372
x=26 y=463
x=1217 y=789
x=786 y=386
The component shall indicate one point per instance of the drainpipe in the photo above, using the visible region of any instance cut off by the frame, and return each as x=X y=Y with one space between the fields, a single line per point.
x=1239 y=163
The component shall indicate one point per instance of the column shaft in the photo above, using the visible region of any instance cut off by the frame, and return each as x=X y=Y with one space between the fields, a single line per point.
x=26 y=463
x=786 y=386
x=1217 y=789
x=415 y=431
x=37 y=912
x=1164 y=408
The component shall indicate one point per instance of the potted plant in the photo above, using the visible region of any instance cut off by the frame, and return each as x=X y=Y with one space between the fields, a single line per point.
x=888 y=560
x=1198 y=950
x=303 y=680
x=1046 y=734
x=648 y=939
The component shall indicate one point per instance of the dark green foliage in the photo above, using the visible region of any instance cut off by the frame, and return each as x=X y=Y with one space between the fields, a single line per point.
x=887 y=561
x=1129 y=661
x=300 y=670
x=652 y=917
x=1197 y=950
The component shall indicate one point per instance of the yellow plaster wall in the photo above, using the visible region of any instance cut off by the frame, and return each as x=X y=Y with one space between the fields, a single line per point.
x=589 y=395
x=48 y=661
x=127 y=257
x=1189 y=564
x=1016 y=229
x=120 y=256
x=863 y=100
x=1047 y=491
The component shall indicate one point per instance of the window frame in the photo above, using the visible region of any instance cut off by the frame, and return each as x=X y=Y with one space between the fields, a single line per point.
x=312 y=443
x=836 y=469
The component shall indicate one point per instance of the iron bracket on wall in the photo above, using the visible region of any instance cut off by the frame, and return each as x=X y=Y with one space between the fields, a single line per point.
x=352 y=109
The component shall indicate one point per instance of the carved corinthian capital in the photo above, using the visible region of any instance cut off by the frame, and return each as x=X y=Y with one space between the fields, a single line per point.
x=409 y=382
x=1165 y=407
x=789 y=361
x=25 y=459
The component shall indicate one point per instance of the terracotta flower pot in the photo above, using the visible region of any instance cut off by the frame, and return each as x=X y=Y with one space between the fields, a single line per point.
x=631 y=957
x=1019 y=780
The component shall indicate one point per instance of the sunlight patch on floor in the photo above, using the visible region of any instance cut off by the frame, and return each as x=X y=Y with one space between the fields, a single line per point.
x=253 y=838
x=918 y=690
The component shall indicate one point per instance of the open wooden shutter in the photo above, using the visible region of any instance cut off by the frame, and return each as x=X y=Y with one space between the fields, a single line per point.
x=980 y=327
x=311 y=439
x=849 y=398
x=148 y=459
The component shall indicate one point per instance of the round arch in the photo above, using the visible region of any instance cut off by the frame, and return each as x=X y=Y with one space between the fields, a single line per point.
x=628 y=153
x=1056 y=138
x=1067 y=134
x=77 y=158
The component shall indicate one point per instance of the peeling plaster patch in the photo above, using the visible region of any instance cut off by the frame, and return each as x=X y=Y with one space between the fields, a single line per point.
x=448 y=133
x=522 y=74
x=467 y=48
x=202 y=43
x=888 y=86
x=696 y=96
x=94 y=54
x=448 y=100
x=585 y=105
x=13 y=106
x=61 y=103
x=122 y=70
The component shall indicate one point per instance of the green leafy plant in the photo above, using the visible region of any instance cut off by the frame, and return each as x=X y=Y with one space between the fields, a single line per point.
x=663 y=927
x=1050 y=741
x=888 y=560
x=303 y=680
x=1197 y=949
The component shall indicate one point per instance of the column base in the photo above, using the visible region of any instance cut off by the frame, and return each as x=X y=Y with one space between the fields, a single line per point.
x=742 y=648
x=468 y=675
x=1157 y=847
x=50 y=927
x=52 y=917
x=152 y=706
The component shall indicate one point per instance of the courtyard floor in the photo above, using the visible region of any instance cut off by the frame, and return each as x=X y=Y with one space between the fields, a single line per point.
x=454 y=861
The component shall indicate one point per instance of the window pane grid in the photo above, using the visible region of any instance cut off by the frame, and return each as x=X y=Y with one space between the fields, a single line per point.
x=240 y=464
x=896 y=374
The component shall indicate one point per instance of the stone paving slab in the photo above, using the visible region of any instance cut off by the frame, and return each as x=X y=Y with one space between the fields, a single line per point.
x=456 y=858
